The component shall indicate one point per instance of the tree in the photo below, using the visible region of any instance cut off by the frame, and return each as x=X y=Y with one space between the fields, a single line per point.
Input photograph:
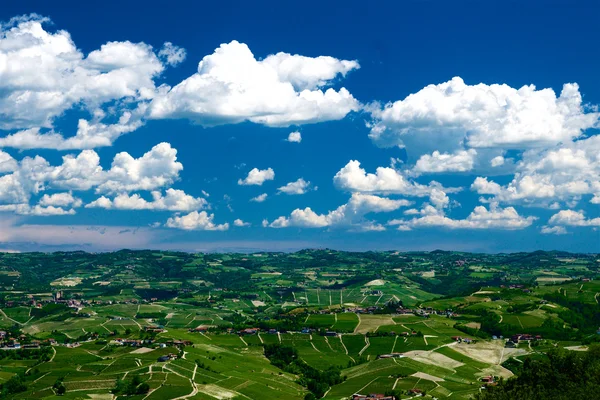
x=61 y=389
x=143 y=388
x=13 y=385
x=563 y=375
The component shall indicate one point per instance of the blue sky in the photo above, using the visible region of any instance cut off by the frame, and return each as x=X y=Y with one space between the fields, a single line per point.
x=423 y=125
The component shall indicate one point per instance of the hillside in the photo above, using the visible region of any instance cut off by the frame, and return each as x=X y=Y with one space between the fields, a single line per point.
x=162 y=325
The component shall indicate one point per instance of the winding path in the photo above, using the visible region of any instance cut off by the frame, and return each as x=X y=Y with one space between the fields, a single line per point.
x=366 y=346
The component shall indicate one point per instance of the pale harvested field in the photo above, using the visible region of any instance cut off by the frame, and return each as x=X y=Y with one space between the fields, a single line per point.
x=423 y=375
x=488 y=352
x=66 y=282
x=550 y=279
x=370 y=323
x=577 y=348
x=496 y=370
x=100 y=396
x=376 y=282
x=217 y=392
x=433 y=358
x=142 y=350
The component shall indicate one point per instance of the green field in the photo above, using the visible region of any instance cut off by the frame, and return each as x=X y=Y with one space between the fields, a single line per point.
x=292 y=299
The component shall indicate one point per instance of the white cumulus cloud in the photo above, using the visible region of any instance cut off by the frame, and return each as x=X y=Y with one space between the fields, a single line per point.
x=173 y=200
x=353 y=178
x=36 y=210
x=172 y=54
x=553 y=230
x=60 y=200
x=350 y=215
x=260 y=198
x=294 y=137
x=297 y=187
x=232 y=86
x=257 y=177
x=156 y=168
x=43 y=74
x=240 y=223
x=573 y=218
x=481 y=218
x=483 y=116
x=564 y=173
x=460 y=161
x=196 y=221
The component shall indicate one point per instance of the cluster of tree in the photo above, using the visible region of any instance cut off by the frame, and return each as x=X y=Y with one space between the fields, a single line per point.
x=49 y=309
x=389 y=308
x=357 y=280
x=398 y=393
x=233 y=280
x=42 y=354
x=235 y=318
x=130 y=387
x=15 y=384
x=150 y=315
x=519 y=308
x=160 y=294
x=582 y=316
x=456 y=283
x=357 y=361
x=59 y=387
x=491 y=325
x=563 y=375
x=316 y=381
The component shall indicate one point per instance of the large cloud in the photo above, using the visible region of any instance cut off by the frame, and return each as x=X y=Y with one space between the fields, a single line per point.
x=482 y=116
x=196 y=221
x=37 y=210
x=232 y=86
x=174 y=200
x=353 y=178
x=561 y=173
x=573 y=218
x=90 y=134
x=156 y=168
x=7 y=163
x=350 y=215
x=43 y=74
x=481 y=218
x=65 y=199
x=461 y=161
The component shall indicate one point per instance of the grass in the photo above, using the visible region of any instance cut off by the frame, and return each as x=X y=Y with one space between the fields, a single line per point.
x=19 y=314
x=346 y=322
x=321 y=320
